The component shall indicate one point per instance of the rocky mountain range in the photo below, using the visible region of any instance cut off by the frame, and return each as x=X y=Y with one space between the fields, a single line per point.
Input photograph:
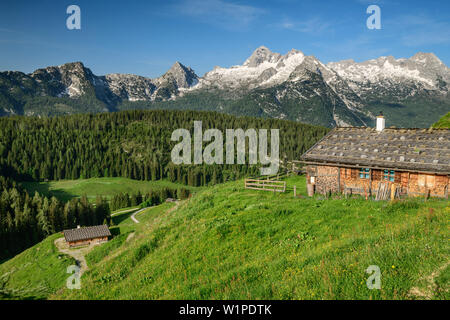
x=412 y=92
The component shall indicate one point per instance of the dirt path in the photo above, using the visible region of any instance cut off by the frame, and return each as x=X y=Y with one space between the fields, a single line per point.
x=133 y=216
x=123 y=211
x=175 y=207
x=77 y=254
x=427 y=292
x=130 y=236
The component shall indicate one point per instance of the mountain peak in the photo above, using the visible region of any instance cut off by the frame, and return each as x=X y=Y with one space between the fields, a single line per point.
x=425 y=57
x=73 y=64
x=178 y=65
x=76 y=66
x=261 y=55
x=293 y=52
x=180 y=75
x=262 y=49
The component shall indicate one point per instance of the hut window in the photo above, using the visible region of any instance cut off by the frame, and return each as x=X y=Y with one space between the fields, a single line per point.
x=364 y=173
x=389 y=175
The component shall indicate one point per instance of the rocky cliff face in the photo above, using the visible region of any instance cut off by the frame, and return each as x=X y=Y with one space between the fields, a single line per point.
x=136 y=88
x=75 y=81
x=348 y=91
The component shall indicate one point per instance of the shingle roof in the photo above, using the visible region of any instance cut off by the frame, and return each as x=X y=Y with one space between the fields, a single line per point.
x=426 y=150
x=85 y=233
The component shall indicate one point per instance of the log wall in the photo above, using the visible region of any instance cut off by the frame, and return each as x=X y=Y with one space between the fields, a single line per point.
x=337 y=179
x=87 y=242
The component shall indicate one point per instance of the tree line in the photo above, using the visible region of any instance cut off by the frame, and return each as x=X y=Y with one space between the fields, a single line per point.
x=132 y=144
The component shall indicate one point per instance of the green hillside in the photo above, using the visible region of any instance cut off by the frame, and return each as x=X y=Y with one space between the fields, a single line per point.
x=444 y=122
x=230 y=243
x=35 y=273
x=106 y=187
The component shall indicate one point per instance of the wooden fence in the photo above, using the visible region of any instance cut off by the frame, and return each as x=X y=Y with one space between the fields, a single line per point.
x=265 y=185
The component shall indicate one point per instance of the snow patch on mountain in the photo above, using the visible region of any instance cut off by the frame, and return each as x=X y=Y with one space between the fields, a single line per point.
x=262 y=68
x=423 y=68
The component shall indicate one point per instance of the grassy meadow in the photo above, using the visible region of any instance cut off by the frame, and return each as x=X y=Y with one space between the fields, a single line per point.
x=107 y=187
x=230 y=243
x=35 y=273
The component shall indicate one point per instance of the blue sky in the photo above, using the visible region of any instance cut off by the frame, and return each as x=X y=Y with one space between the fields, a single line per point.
x=147 y=37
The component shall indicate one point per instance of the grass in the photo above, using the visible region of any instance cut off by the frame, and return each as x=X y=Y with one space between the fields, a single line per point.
x=67 y=189
x=300 y=184
x=100 y=252
x=444 y=122
x=123 y=228
x=35 y=273
x=443 y=284
x=231 y=243
x=127 y=209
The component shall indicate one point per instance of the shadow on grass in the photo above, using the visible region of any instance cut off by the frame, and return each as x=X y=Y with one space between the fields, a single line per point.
x=115 y=231
x=44 y=189
x=10 y=296
x=121 y=217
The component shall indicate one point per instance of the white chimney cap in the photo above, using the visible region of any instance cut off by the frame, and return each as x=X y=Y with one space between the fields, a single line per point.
x=381 y=122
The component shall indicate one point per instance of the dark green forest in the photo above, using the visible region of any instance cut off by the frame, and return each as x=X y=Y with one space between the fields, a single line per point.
x=132 y=144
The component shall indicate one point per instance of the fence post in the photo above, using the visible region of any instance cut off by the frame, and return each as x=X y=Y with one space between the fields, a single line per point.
x=392 y=192
x=295 y=191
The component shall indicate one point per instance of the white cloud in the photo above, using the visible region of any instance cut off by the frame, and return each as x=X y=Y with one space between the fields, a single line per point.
x=420 y=30
x=314 y=25
x=220 y=13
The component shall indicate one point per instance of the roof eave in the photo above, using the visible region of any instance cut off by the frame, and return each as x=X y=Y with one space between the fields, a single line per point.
x=350 y=165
